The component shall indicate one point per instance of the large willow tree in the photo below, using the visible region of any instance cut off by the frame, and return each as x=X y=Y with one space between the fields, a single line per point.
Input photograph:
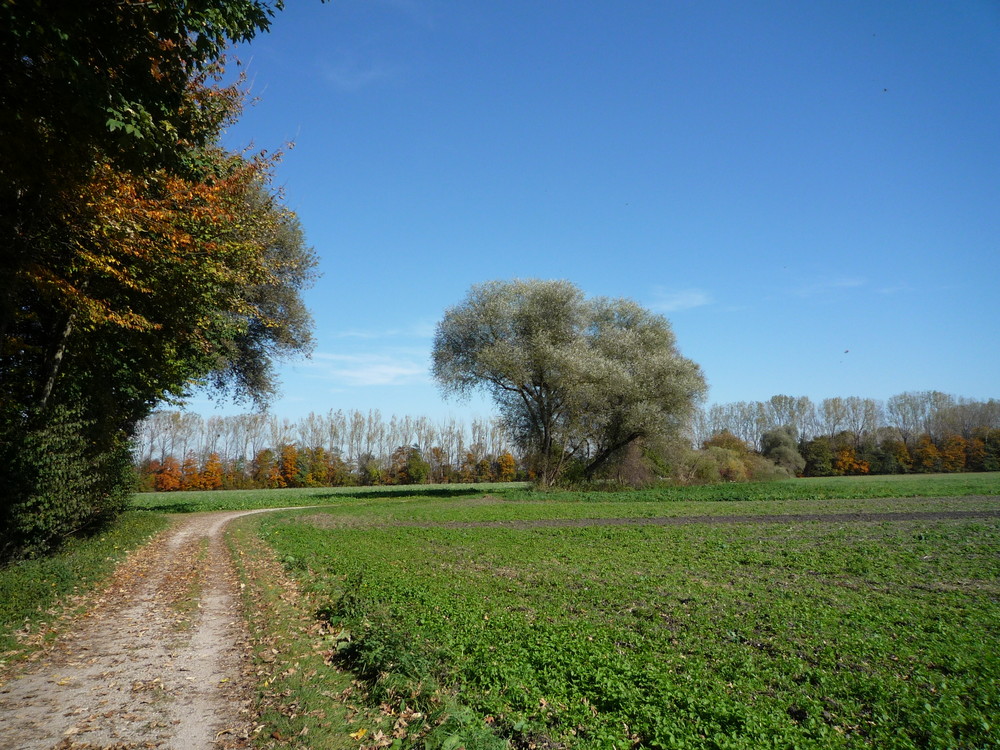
x=140 y=258
x=574 y=378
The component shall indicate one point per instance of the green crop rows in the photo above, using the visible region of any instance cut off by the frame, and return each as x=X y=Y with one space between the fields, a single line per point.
x=844 y=633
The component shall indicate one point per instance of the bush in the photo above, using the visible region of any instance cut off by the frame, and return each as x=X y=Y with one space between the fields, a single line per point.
x=57 y=480
x=779 y=445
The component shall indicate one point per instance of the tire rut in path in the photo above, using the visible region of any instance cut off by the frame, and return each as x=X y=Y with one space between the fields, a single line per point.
x=144 y=667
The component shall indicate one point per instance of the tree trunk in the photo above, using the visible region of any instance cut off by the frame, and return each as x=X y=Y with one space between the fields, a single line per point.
x=55 y=358
x=603 y=457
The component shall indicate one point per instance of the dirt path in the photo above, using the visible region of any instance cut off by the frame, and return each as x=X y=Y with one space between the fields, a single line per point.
x=156 y=662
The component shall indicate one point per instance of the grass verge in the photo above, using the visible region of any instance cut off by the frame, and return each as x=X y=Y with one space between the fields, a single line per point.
x=301 y=701
x=34 y=593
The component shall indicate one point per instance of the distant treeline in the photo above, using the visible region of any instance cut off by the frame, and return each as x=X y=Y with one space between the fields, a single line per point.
x=177 y=450
x=925 y=431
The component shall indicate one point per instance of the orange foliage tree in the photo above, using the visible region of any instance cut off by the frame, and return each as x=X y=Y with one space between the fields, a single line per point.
x=926 y=456
x=190 y=473
x=952 y=451
x=211 y=473
x=506 y=467
x=846 y=461
x=289 y=466
x=168 y=477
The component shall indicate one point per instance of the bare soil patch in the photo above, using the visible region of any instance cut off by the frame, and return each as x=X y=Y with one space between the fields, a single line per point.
x=157 y=659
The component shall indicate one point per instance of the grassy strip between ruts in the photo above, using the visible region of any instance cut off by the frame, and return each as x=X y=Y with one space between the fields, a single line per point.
x=744 y=635
x=34 y=593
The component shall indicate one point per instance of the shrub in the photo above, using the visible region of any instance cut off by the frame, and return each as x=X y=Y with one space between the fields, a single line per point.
x=57 y=479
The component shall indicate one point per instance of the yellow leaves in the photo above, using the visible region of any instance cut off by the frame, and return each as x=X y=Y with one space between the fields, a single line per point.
x=359 y=734
x=136 y=242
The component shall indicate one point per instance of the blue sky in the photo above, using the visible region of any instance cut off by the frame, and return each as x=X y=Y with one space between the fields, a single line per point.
x=810 y=192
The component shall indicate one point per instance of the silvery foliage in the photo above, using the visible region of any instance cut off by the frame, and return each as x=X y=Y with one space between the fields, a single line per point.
x=572 y=377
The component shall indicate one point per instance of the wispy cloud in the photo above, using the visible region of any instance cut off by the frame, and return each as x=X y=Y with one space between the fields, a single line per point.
x=398 y=368
x=348 y=74
x=895 y=288
x=828 y=285
x=684 y=299
x=417 y=330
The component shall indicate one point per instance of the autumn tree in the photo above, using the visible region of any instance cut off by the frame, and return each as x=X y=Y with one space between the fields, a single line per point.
x=467 y=471
x=211 y=473
x=288 y=466
x=571 y=376
x=847 y=462
x=317 y=467
x=140 y=257
x=506 y=467
x=953 y=453
x=168 y=476
x=926 y=456
x=190 y=473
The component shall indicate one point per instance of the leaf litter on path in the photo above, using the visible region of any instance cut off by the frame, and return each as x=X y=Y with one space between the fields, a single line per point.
x=155 y=661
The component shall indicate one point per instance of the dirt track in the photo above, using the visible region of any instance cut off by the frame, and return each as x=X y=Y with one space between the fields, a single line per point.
x=156 y=661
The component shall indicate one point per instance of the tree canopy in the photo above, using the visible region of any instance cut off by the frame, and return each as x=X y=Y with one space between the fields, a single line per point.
x=141 y=258
x=574 y=378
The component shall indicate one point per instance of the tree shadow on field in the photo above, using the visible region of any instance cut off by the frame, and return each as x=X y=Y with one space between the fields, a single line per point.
x=404 y=491
x=168 y=507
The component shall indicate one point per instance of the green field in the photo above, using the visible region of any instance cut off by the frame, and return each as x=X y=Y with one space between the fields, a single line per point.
x=193 y=502
x=844 y=632
x=818 y=488
x=498 y=616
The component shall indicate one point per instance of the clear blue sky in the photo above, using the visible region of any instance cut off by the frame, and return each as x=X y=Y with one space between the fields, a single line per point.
x=809 y=191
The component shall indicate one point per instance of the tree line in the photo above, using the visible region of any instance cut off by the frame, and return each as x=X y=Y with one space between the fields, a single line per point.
x=179 y=451
x=785 y=436
x=915 y=431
